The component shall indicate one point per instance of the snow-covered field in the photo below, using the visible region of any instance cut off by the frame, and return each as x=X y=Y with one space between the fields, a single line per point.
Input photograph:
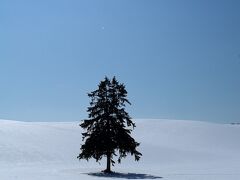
x=172 y=150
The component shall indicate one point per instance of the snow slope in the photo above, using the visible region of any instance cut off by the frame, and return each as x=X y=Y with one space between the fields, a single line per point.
x=172 y=150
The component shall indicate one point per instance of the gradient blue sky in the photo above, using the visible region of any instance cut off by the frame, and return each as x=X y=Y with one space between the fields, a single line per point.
x=178 y=59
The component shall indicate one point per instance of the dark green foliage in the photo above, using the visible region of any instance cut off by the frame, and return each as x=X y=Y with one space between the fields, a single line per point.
x=109 y=126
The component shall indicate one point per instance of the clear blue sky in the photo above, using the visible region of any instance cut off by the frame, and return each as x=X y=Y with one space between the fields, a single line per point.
x=178 y=59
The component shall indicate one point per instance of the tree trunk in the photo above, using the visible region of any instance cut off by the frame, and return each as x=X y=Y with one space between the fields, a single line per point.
x=108 y=170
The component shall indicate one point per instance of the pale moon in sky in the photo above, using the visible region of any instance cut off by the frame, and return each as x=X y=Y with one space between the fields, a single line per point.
x=103 y=28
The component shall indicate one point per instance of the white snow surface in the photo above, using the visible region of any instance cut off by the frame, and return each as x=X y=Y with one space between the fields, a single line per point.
x=172 y=150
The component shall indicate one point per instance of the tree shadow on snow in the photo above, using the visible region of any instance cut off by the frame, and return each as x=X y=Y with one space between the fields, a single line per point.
x=124 y=175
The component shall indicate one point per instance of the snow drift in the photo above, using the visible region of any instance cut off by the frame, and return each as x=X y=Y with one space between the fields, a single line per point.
x=172 y=149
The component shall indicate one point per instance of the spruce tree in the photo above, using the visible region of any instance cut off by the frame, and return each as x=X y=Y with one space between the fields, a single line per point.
x=108 y=127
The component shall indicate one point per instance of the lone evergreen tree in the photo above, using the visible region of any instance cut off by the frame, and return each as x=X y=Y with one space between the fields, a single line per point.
x=108 y=126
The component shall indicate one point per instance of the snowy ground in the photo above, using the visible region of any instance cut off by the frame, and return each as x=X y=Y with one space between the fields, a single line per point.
x=172 y=150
